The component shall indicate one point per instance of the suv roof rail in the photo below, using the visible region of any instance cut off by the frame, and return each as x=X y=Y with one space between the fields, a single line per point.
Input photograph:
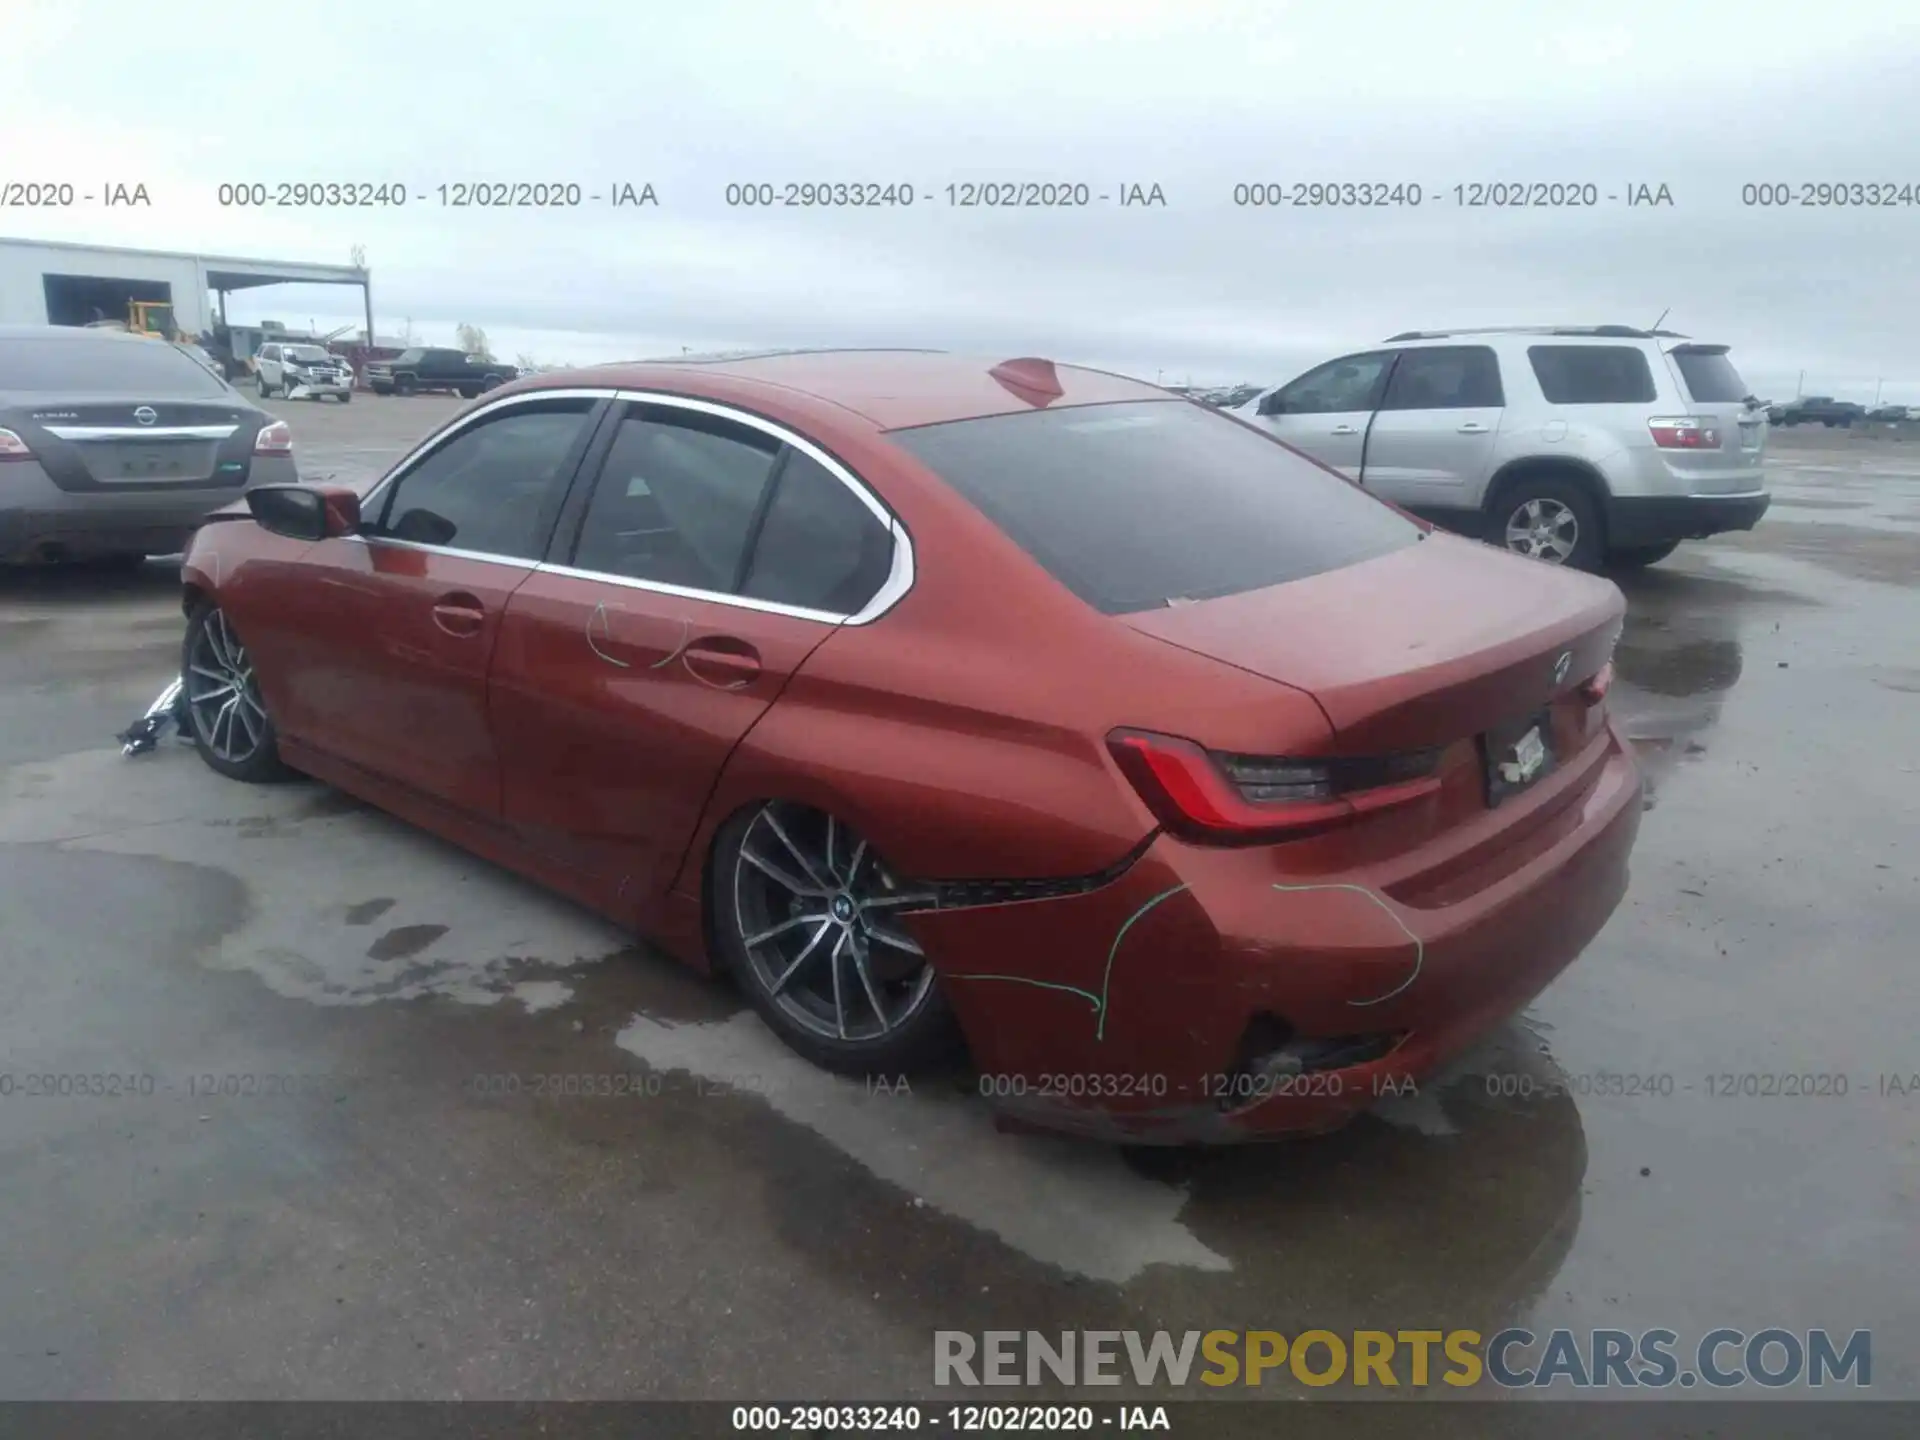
x=1618 y=332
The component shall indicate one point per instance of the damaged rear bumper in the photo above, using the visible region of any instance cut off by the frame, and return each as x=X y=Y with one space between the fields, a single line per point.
x=1207 y=996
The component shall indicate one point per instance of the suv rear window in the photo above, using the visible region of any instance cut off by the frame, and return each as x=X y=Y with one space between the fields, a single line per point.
x=1710 y=376
x=1143 y=504
x=1592 y=374
x=102 y=367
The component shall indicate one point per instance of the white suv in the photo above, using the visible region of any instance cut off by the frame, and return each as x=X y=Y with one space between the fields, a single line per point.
x=302 y=372
x=1577 y=445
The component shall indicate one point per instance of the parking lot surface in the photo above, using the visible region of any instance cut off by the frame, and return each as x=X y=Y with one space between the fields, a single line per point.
x=339 y=1164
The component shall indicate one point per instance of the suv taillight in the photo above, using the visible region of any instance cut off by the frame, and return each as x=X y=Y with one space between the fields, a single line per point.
x=274 y=439
x=1208 y=795
x=1684 y=432
x=12 y=447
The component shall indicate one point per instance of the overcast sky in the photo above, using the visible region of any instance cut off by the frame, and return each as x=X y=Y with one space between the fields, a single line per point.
x=1189 y=95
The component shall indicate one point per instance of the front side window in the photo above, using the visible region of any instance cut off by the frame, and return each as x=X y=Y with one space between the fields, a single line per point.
x=490 y=487
x=1144 y=504
x=1351 y=383
x=1446 y=377
x=676 y=499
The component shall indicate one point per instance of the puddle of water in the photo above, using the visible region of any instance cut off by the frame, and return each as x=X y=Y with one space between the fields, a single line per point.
x=1072 y=1205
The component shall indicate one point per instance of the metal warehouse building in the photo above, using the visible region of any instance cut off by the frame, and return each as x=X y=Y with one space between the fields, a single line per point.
x=48 y=282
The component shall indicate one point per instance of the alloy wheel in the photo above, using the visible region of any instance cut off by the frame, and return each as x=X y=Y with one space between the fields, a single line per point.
x=223 y=700
x=816 y=914
x=1543 y=529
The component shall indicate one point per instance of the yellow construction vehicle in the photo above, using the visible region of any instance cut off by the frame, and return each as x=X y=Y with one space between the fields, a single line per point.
x=145 y=317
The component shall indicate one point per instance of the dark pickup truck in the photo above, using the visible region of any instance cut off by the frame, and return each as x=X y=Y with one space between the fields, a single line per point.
x=426 y=368
x=1818 y=410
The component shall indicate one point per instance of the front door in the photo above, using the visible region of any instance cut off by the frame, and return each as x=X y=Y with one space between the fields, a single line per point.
x=383 y=661
x=712 y=558
x=1325 y=412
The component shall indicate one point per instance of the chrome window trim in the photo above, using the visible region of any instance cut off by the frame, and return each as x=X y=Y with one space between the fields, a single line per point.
x=900 y=576
x=140 y=432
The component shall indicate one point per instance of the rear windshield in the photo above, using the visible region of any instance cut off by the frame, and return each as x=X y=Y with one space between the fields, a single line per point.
x=1592 y=374
x=102 y=367
x=1145 y=504
x=1710 y=376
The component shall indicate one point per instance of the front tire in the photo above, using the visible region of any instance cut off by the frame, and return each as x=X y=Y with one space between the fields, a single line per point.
x=344 y=397
x=226 y=717
x=1638 y=557
x=805 y=918
x=1549 y=519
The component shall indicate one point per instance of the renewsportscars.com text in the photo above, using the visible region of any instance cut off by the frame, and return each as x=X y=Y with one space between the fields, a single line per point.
x=1512 y=1358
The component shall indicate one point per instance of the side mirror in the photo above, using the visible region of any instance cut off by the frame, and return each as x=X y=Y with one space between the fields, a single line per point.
x=1274 y=404
x=302 y=512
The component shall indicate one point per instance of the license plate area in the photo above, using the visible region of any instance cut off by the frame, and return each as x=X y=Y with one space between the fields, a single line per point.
x=1517 y=756
x=136 y=464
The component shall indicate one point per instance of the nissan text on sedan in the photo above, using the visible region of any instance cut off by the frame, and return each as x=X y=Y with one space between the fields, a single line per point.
x=115 y=446
x=941 y=702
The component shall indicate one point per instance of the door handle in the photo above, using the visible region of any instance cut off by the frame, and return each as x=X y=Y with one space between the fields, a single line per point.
x=722 y=662
x=1473 y=427
x=1344 y=430
x=459 y=613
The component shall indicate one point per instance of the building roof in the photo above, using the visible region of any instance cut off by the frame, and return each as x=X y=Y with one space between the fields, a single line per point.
x=224 y=272
x=893 y=389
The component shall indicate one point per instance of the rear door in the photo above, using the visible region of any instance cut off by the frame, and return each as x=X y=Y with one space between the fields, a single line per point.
x=375 y=647
x=1326 y=411
x=713 y=553
x=1716 y=394
x=267 y=364
x=1432 y=441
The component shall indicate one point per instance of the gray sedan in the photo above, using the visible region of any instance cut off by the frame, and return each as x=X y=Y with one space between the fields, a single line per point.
x=115 y=446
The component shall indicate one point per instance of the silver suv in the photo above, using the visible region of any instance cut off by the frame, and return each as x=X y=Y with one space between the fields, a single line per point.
x=1577 y=445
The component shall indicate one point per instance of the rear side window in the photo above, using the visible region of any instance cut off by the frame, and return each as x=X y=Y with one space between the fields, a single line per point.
x=101 y=366
x=1592 y=374
x=1709 y=374
x=676 y=499
x=820 y=547
x=1149 y=503
x=1447 y=377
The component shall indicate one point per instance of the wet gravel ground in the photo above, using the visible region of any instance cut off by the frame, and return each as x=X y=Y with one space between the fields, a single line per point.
x=342 y=1186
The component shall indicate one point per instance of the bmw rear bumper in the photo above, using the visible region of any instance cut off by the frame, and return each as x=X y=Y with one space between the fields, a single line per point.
x=1150 y=1011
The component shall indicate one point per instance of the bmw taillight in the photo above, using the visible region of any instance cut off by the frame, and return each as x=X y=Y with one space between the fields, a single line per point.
x=1684 y=432
x=1204 y=794
x=274 y=439
x=12 y=447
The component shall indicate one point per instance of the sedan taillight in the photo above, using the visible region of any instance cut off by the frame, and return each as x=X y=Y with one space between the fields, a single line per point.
x=1203 y=795
x=1684 y=432
x=1594 y=689
x=12 y=447
x=274 y=439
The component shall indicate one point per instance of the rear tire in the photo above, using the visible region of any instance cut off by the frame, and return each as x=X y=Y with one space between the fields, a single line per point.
x=266 y=390
x=1638 y=557
x=1548 y=518
x=226 y=718
x=804 y=919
